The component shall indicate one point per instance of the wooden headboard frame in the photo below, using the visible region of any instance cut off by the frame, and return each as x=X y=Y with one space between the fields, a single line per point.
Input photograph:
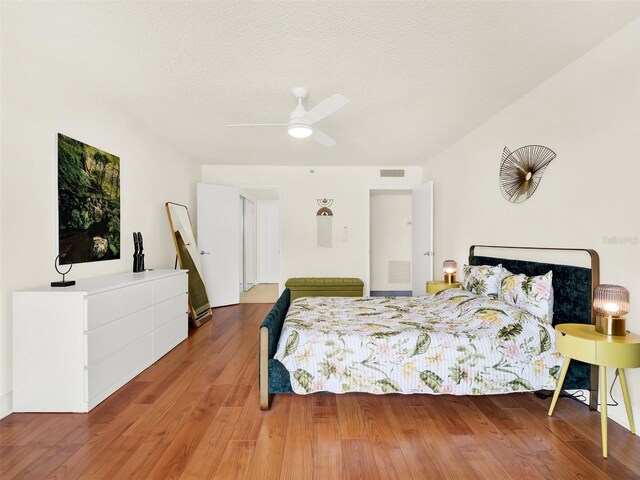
x=595 y=281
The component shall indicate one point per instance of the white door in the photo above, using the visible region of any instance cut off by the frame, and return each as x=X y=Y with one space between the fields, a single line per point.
x=219 y=240
x=422 y=241
x=268 y=242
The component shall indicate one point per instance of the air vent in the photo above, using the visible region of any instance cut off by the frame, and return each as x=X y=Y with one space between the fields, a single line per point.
x=392 y=173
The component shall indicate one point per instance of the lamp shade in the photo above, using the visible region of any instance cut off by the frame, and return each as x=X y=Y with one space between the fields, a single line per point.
x=450 y=266
x=611 y=300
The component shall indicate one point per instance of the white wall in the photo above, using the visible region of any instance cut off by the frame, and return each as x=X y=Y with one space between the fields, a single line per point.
x=347 y=186
x=589 y=114
x=152 y=172
x=391 y=233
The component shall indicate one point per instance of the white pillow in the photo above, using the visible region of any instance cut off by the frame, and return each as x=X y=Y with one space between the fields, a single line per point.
x=532 y=294
x=483 y=279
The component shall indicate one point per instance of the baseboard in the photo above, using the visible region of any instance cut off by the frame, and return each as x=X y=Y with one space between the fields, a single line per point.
x=6 y=404
x=390 y=293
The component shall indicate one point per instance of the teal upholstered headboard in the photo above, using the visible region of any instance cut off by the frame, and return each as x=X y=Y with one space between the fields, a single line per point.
x=572 y=289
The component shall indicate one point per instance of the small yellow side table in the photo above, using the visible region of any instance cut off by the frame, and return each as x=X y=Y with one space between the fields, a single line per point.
x=581 y=342
x=435 y=286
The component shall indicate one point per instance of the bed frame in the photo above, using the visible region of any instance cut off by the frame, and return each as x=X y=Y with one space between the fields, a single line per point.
x=573 y=291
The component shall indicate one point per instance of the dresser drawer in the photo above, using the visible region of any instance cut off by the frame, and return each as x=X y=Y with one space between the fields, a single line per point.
x=577 y=348
x=169 y=309
x=117 y=369
x=169 y=287
x=169 y=335
x=111 y=337
x=106 y=307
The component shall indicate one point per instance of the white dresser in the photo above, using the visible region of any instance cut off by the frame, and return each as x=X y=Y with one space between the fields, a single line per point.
x=75 y=346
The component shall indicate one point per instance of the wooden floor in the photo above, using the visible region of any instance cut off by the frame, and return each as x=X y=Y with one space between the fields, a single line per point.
x=195 y=414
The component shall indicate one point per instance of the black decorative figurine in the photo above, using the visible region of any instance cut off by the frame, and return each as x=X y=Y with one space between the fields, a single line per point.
x=138 y=255
x=141 y=256
x=63 y=283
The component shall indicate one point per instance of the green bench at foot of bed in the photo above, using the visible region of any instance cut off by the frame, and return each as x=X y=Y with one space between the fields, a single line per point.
x=324 y=287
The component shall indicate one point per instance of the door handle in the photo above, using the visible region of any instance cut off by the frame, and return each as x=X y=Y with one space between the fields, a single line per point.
x=202 y=252
x=428 y=254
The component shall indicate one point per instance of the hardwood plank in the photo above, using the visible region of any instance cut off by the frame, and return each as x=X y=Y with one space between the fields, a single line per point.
x=235 y=461
x=298 y=459
x=386 y=449
x=207 y=455
x=361 y=464
x=266 y=462
x=102 y=436
x=184 y=443
x=419 y=456
x=352 y=424
x=238 y=395
x=445 y=454
x=327 y=454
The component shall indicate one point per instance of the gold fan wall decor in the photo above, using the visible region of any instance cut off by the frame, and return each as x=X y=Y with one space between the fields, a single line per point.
x=521 y=171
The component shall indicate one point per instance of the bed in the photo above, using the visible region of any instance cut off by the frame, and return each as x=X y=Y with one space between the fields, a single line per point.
x=454 y=342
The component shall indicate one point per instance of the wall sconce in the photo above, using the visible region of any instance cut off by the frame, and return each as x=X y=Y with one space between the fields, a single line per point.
x=450 y=268
x=611 y=302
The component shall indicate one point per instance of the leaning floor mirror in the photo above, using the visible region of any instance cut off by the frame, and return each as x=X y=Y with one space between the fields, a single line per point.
x=189 y=258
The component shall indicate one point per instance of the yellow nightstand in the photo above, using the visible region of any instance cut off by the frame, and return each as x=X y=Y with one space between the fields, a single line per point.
x=435 y=286
x=581 y=342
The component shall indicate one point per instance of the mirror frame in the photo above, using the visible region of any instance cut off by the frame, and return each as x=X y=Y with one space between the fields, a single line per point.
x=201 y=313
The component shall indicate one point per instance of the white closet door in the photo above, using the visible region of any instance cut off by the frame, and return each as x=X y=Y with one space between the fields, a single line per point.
x=219 y=240
x=268 y=242
x=249 y=244
x=422 y=220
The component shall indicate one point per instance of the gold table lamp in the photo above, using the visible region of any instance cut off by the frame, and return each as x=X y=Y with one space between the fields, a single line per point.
x=611 y=302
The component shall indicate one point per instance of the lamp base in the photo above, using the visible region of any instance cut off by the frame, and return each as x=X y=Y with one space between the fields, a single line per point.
x=449 y=278
x=609 y=325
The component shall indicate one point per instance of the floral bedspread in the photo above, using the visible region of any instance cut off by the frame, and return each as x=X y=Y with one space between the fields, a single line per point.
x=453 y=342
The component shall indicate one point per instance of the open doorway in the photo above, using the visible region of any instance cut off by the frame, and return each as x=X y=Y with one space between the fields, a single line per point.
x=260 y=246
x=400 y=240
x=390 y=243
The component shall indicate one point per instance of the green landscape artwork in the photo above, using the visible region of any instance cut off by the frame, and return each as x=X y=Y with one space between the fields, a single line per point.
x=88 y=203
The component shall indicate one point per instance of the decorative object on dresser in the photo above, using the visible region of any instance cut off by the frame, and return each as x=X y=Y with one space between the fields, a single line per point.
x=450 y=268
x=611 y=302
x=88 y=203
x=63 y=282
x=188 y=256
x=73 y=348
x=521 y=171
x=138 y=253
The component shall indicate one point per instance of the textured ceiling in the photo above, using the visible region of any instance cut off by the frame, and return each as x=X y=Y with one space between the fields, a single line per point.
x=419 y=75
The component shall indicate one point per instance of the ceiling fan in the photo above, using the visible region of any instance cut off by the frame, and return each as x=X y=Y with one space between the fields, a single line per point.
x=301 y=121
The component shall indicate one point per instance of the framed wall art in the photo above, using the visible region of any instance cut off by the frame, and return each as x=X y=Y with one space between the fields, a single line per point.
x=88 y=203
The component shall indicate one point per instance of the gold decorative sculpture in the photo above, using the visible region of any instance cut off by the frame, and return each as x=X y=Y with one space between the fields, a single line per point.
x=521 y=171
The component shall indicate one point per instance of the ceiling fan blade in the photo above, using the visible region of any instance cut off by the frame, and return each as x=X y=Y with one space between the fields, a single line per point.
x=258 y=125
x=325 y=108
x=322 y=138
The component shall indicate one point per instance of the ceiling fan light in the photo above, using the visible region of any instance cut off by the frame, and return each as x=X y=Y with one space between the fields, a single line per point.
x=300 y=130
